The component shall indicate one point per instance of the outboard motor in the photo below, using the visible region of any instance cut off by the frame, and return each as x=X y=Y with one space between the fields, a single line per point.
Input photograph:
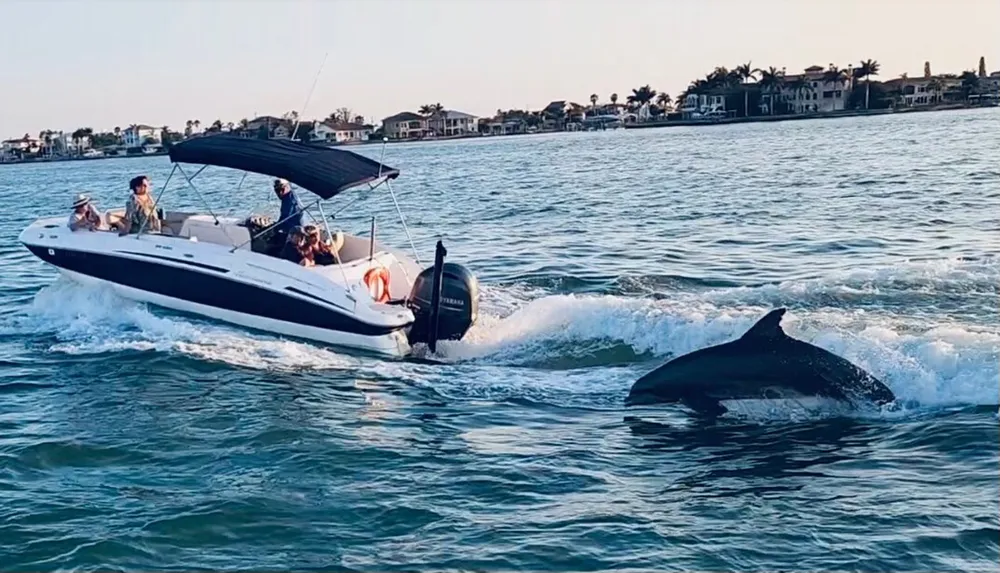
x=444 y=301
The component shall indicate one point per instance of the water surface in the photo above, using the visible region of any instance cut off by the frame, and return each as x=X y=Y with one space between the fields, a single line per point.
x=136 y=438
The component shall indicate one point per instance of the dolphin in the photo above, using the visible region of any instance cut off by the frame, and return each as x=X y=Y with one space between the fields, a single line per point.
x=764 y=363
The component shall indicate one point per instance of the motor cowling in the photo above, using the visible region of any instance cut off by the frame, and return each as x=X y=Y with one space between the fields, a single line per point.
x=458 y=304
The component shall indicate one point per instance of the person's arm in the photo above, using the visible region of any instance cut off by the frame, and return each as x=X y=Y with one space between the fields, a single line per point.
x=94 y=218
x=126 y=221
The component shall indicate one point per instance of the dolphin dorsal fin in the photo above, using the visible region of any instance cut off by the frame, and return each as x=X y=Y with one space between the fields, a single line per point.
x=768 y=327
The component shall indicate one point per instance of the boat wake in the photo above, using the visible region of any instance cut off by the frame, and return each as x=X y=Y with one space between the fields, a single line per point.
x=86 y=320
x=571 y=349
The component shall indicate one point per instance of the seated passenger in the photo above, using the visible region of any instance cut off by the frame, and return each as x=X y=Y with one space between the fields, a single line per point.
x=297 y=249
x=324 y=251
x=140 y=210
x=84 y=216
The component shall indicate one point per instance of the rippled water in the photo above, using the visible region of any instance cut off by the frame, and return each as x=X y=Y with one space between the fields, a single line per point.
x=135 y=438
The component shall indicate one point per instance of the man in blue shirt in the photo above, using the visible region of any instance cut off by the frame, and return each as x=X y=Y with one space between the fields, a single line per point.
x=289 y=217
x=291 y=210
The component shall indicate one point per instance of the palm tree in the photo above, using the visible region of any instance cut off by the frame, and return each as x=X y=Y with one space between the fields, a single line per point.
x=868 y=68
x=244 y=123
x=663 y=100
x=746 y=73
x=641 y=96
x=593 y=101
x=614 y=99
x=798 y=85
x=188 y=128
x=77 y=136
x=771 y=81
x=970 y=82
x=46 y=136
x=431 y=109
x=118 y=134
x=197 y=125
x=720 y=75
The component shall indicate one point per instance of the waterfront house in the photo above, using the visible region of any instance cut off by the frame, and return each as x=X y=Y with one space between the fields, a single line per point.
x=140 y=135
x=810 y=91
x=270 y=127
x=988 y=90
x=62 y=143
x=20 y=147
x=554 y=115
x=340 y=132
x=699 y=105
x=927 y=90
x=501 y=126
x=405 y=125
x=450 y=122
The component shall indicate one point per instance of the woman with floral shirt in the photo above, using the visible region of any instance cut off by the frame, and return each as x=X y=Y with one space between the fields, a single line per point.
x=140 y=210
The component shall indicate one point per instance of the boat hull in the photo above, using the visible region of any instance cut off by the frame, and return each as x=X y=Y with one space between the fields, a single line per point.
x=241 y=287
x=393 y=343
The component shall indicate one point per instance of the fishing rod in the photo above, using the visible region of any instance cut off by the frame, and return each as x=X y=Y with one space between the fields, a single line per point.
x=305 y=105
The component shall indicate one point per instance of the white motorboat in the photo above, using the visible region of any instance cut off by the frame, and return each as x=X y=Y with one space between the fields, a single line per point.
x=225 y=269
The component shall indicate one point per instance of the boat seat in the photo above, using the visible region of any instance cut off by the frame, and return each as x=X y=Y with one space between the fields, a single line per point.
x=206 y=231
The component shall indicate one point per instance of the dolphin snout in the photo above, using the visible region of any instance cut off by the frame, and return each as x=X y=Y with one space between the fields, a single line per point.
x=648 y=391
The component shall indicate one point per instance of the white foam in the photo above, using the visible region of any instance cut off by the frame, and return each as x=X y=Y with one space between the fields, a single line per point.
x=94 y=320
x=933 y=364
x=655 y=327
x=930 y=363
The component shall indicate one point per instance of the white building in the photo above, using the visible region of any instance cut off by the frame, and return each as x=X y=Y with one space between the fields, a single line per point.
x=451 y=122
x=13 y=148
x=810 y=92
x=62 y=143
x=140 y=135
x=699 y=105
x=340 y=132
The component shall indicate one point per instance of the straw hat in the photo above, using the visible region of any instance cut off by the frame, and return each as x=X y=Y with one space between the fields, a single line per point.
x=80 y=200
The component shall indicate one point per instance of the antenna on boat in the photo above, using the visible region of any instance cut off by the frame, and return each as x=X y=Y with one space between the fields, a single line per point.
x=298 y=119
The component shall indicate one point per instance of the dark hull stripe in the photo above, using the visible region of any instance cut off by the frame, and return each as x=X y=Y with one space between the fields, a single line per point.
x=312 y=296
x=178 y=261
x=205 y=288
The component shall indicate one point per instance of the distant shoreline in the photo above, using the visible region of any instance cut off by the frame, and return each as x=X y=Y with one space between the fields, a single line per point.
x=797 y=116
x=643 y=125
x=80 y=158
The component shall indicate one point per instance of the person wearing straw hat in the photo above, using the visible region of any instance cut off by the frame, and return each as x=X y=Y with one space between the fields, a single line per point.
x=84 y=215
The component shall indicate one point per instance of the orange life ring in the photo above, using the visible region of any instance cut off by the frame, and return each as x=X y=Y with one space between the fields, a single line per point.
x=377 y=281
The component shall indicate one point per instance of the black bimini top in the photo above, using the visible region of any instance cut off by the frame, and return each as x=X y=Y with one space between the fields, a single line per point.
x=321 y=170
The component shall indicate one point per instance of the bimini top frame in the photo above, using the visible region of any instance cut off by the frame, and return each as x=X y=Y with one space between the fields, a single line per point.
x=321 y=170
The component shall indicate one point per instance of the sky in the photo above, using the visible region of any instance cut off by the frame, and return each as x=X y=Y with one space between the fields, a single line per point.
x=101 y=64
